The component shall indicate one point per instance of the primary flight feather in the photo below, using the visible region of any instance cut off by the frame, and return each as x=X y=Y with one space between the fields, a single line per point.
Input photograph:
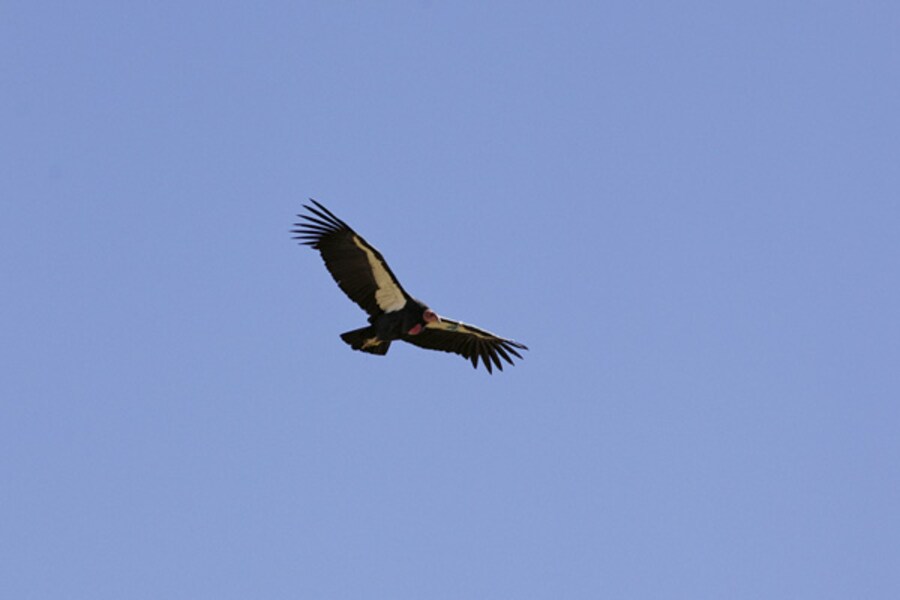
x=362 y=273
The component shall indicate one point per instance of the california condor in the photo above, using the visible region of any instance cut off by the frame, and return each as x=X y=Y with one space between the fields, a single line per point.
x=362 y=273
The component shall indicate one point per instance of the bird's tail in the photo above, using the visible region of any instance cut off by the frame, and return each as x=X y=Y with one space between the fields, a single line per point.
x=366 y=340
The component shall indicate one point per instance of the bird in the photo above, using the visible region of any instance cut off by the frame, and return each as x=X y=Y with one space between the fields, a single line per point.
x=364 y=276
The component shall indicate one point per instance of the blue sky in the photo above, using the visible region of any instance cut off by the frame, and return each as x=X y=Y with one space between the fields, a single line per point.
x=689 y=212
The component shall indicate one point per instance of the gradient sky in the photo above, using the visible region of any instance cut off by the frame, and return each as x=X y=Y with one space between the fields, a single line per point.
x=689 y=211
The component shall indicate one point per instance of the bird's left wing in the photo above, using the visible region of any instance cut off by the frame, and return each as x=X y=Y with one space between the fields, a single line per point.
x=468 y=341
x=358 y=268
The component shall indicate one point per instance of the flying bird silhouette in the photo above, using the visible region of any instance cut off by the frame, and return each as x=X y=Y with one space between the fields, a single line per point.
x=362 y=273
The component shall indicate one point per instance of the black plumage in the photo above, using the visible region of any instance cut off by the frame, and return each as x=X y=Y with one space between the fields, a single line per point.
x=363 y=274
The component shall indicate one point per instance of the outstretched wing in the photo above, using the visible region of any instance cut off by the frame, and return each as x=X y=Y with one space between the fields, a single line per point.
x=467 y=341
x=358 y=268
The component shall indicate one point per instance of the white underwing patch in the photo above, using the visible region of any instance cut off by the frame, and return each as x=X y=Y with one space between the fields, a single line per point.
x=388 y=294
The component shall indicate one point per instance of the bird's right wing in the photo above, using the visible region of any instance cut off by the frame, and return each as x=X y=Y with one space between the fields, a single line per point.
x=468 y=341
x=357 y=267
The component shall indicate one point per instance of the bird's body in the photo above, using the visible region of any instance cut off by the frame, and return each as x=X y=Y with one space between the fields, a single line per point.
x=363 y=274
x=387 y=327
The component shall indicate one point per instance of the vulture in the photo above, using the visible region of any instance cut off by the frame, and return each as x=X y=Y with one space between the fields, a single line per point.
x=362 y=273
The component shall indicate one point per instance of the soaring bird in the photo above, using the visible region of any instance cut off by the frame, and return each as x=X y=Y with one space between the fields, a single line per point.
x=362 y=273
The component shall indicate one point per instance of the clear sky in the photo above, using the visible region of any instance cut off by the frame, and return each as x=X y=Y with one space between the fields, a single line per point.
x=689 y=211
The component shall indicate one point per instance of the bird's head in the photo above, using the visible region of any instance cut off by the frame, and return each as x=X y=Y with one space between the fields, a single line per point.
x=428 y=316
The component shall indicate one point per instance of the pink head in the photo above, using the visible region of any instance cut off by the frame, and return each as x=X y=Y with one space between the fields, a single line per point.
x=429 y=316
